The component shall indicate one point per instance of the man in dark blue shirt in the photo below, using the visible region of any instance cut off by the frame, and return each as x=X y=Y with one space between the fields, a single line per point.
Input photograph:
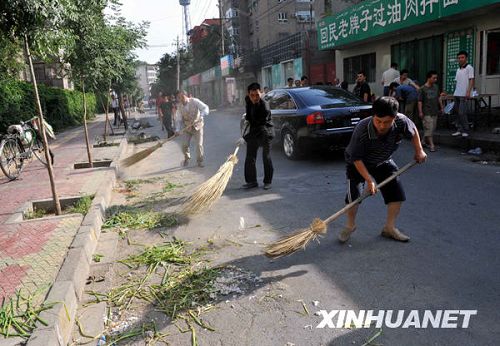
x=369 y=160
x=407 y=94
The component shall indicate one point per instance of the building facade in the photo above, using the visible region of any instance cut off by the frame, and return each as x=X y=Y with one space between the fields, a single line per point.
x=146 y=74
x=419 y=36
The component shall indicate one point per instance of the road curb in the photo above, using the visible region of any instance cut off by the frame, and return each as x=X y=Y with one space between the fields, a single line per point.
x=68 y=287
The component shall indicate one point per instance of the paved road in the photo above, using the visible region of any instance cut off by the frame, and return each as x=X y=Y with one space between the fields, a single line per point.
x=451 y=262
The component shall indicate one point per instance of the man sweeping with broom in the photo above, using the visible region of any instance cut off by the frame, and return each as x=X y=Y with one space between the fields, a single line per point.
x=369 y=161
x=190 y=114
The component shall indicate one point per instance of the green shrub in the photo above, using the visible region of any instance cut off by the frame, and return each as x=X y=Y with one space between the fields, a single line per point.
x=61 y=107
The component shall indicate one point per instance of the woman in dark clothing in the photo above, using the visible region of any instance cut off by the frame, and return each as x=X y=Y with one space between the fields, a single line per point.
x=260 y=134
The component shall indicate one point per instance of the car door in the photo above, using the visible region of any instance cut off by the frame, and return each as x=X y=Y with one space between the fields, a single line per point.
x=283 y=109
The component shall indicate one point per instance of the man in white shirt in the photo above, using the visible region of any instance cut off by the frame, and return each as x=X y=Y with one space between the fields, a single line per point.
x=463 y=90
x=389 y=76
x=190 y=114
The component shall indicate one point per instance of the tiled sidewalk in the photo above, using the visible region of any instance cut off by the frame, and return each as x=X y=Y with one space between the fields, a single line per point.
x=32 y=251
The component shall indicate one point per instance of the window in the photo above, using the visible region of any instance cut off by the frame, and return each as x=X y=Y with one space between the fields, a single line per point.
x=281 y=101
x=231 y=13
x=304 y=16
x=282 y=17
x=493 y=57
x=233 y=31
x=358 y=63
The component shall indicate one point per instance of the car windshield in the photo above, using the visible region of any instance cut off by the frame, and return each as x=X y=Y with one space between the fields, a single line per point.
x=329 y=98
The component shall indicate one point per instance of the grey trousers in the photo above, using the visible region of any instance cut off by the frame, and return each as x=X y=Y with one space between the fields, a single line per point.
x=198 y=137
x=461 y=105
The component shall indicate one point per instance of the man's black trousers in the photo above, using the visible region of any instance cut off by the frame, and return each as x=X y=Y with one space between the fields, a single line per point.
x=117 y=116
x=251 y=158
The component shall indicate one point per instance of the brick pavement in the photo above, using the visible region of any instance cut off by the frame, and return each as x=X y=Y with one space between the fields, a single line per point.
x=32 y=251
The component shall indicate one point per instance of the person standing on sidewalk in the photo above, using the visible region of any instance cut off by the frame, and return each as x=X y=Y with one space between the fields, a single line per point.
x=362 y=89
x=408 y=95
x=389 y=76
x=463 y=91
x=260 y=134
x=116 y=109
x=190 y=114
x=429 y=107
x=369 y=161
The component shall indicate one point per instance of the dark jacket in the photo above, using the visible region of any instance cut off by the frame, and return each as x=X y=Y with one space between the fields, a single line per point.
x=259 y=117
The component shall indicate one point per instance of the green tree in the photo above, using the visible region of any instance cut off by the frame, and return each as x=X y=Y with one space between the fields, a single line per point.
x=101 y=55
x=84 y=53
x=167 y=79
x=39 y=24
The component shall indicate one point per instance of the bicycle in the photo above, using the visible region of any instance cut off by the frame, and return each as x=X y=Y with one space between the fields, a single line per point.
x=18 y=146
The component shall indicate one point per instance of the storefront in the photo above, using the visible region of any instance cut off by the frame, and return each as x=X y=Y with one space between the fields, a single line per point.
x=275 y=76
x=419 y=36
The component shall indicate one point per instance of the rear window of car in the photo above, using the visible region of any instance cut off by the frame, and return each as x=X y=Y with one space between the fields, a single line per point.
x=329 y=98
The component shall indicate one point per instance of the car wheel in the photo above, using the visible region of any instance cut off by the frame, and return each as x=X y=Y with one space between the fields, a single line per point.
x=290 y=145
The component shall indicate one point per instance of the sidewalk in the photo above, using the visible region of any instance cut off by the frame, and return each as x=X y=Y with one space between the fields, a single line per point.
x=33 y=251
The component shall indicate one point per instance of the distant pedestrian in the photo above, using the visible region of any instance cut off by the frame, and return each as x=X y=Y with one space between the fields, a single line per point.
x=260 y=134
x=389 y=76
x=297 y=83
x=304 y=81
x=369 y=161
x=115 y=105
x=266 y=90
x=166 y=116
x=429 y=107
x=190 y=115
x=463 y=91
x=362 y=89
x=289 y=82
x=408 y=96
x=159 y=101
x=336 y=82
x=403 y=79
x=344 y=85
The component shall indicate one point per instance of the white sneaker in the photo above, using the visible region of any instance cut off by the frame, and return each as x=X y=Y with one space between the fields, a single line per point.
x=458 y=133
x=465 y=134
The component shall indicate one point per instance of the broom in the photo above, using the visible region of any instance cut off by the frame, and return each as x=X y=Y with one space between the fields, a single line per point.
x=211 y=190
x=298 y=240
x=141 y=155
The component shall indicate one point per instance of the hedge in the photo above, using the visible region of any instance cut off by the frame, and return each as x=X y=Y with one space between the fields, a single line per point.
x=61 y=108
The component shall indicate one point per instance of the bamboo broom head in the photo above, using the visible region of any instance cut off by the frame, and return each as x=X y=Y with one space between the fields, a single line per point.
x=141 y=155
x=298 y=240
x=211 y=190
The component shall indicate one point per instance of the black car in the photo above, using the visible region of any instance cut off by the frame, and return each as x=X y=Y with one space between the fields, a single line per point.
x=315 y=117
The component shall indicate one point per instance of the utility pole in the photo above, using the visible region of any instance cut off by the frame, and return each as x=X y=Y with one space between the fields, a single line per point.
x=221 y=28
x=178 y=66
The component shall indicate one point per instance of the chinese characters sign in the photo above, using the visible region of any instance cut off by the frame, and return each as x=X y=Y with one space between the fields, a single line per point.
x=375 y=17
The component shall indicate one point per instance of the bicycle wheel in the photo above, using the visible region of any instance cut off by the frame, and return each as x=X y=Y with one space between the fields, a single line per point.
x=11 y=161
x=39 y=151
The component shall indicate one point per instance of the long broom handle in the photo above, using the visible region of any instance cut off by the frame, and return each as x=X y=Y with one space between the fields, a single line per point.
x=176 y=135
x=367 y=194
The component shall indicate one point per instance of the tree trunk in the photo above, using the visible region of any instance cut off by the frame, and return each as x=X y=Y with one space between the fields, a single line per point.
x=106 y=122
x=57 y=204
x=85 y=128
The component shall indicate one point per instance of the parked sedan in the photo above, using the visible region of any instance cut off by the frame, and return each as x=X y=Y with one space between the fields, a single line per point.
x=316 y=117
